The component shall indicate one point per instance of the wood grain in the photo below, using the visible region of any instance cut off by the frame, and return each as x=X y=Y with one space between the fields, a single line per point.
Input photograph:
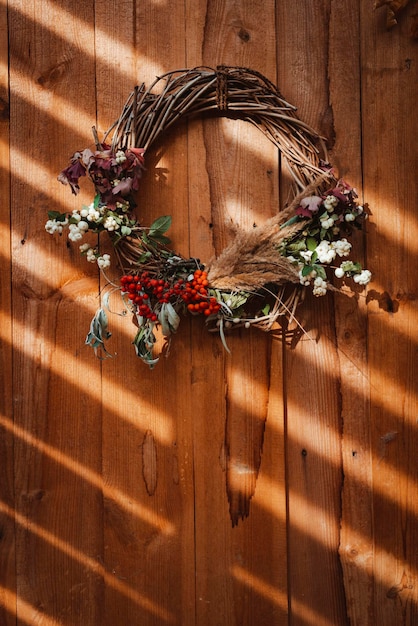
x=7 y=535
x=356 y=536
x=389 y=85
x=233 y=182
x=274 y=485
x=57 y=418
x=313 y=403
x=147 y=422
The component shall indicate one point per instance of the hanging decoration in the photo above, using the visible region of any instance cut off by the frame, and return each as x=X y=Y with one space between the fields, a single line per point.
x=263 y=273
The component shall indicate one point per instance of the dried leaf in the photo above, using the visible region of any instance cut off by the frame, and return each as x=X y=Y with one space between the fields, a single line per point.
x=393 y=8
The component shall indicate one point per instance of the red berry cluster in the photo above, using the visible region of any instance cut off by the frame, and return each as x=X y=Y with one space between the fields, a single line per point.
x=142 y=290
x=196 y=295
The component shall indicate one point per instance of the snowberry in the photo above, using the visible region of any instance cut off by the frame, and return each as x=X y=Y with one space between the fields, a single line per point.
x=320 y=287
x=330 y=203
x=363 y=278
x=103 y=261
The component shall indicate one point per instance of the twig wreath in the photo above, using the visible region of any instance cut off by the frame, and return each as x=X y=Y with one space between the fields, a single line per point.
x=263 y=273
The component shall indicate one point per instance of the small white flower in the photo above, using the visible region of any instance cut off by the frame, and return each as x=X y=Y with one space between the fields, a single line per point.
x=306 y=280
x=350 y=217
x=328 y=223
x=76 y=215
x=110 y=223
x=320 y=287
x=359 y=209
x=120 y=156
x=52 y=226
x=93 y=214
x=91 y=255
x=330 y=203
x=363 y=278
x=326 y=254
x=306 y=255
x=103 y=261
x=84 y=212
x=84 y=247
x=82 y=225
x=342 y=247
x=339 y=272
x=75 y=233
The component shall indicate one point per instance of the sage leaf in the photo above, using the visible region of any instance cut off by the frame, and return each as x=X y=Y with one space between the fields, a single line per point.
x=160 y=226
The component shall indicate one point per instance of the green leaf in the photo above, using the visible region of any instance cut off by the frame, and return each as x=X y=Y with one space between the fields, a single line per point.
x=161 y=225
x=292 y=220
x=57 y=216
x=296 y=246
x=125 y=230
x=160 y=239
x=311 y=243
x=236 y=300
x=98 y=333
x=307 y=269
x=320 y=271
x=266 y=309
x=144 y=257
x=144 y=342
x=96 y=201
x=314 y=257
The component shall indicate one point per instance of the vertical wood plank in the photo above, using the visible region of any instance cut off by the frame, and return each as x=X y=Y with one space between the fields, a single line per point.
x=7 y=540
x=56 y=394
x=147 y=422
x=240 y=544
x=356 y=543
x=312 y=375
x=389 y=88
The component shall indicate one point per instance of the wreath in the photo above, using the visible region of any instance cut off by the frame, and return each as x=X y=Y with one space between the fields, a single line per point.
x=263 y=274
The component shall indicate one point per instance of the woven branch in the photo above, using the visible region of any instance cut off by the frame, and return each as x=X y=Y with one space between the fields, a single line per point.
x=228 y=91
x=251 y=260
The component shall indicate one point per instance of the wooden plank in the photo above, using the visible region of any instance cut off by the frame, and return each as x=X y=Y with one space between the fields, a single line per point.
x=356 y=543
x=7 y=544
x=147 y=422
x=57 y=413
x=233 y=181
x=312 y=369
x=389 y=89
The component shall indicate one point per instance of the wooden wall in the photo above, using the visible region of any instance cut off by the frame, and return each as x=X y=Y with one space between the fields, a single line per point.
x=272 y=486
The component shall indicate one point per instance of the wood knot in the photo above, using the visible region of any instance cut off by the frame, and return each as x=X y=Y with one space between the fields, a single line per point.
x=244 y=35
x=54 y=74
